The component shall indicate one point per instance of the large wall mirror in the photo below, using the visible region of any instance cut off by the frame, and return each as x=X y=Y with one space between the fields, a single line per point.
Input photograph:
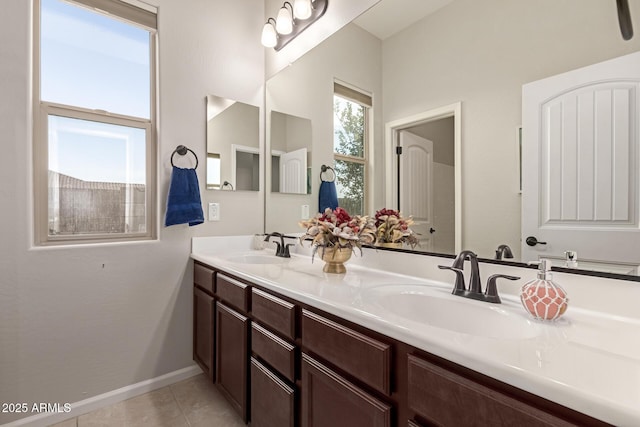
x=233 y=145
x=475 y=54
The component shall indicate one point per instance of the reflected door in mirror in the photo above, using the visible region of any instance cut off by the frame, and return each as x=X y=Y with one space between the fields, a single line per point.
x=290 y=141
x=581 y=146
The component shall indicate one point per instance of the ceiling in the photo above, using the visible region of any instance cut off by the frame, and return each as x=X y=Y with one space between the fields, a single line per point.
x=388 y=17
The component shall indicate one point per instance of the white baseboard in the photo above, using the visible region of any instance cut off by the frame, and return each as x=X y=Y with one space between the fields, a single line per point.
x=108 y=398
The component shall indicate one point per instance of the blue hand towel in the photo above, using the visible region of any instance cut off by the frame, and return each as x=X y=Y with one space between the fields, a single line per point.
x=183 y=202
x=328 y=196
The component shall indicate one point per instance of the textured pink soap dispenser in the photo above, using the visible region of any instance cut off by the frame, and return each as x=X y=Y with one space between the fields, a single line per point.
x=542 y=297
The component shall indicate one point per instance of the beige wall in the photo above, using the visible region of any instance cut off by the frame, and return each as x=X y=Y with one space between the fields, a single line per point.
x=481 y=53
x=76 y=322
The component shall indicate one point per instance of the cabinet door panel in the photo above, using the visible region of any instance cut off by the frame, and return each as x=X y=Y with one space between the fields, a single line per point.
x=272 y=400
x=203 y=329
x=446 y=398
x=328 y=400
x=367 y=359
x=232 y=331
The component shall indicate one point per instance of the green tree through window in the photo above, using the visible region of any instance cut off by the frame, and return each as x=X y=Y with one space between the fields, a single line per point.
x=349 y=153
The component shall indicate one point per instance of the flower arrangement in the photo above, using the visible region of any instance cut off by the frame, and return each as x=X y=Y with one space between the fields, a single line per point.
x=337 y=229
x=391 y=227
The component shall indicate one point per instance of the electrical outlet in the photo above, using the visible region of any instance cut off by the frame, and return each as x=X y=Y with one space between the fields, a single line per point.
x=305 y=212
x=214 y=211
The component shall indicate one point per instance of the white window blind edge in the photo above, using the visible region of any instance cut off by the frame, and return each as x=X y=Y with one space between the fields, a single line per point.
x=350 y=92
x=142 y=5
x=130 y=10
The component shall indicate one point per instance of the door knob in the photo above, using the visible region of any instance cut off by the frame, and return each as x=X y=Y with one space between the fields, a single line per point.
x=532 y=241
x=432 y=230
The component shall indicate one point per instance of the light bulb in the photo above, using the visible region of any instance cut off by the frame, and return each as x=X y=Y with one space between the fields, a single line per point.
x=284 y=21
x=269 y=36
x=302 y=9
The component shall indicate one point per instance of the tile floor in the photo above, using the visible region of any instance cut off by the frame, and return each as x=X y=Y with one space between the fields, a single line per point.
x=194 y=402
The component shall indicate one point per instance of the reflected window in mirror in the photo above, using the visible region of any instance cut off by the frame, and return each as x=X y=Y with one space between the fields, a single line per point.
x=351 y=110
x=233 y=145
x=213 y=171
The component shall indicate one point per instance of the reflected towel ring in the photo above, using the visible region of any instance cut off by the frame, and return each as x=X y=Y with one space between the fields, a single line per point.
x=182 y=150
x=325 y=168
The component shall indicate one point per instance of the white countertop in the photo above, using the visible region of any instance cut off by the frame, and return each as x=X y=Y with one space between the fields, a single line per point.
x=588 y=361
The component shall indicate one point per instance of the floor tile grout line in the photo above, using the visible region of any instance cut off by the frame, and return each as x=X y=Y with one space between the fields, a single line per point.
x=179 y=405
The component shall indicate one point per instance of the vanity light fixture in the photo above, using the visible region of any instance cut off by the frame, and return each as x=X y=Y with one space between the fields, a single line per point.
x=284 y=21
x=302 y=9
x=269 y=35
x=291 y=21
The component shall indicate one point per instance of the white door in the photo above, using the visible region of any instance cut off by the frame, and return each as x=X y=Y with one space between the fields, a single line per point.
x=293 y=172
x=416 y=185
x=580 y=163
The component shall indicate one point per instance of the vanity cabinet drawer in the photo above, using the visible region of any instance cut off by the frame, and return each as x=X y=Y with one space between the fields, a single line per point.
x=435 y=394
x=274 y=312
x=272 y=400
x=233 y=292
x=363 y=357
x=203 y=277
x=274 y=350
x=329 y=400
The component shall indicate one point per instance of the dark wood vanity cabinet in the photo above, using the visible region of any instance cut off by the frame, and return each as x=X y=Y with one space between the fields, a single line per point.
x=273 y=365
x=283 y=363
x=232 y=342
x=203 y=320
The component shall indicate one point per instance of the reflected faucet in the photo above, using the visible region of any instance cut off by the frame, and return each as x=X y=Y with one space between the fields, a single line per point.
x=475 y=288
x=503 y=251
x=282 y=250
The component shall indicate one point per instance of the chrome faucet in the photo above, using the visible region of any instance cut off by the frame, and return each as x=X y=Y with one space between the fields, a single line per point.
x=475 y=288
x=282 y=250
x=503 y=251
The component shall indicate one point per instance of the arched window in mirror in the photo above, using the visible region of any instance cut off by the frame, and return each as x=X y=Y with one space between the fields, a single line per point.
x=351 y=110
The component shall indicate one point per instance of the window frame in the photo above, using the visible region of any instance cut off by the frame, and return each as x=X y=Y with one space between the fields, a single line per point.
x=43 y=109
x=360 y=97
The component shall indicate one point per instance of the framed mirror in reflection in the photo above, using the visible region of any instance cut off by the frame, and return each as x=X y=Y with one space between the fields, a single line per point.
x=432 y=60
x=290 y=145
x=233 y=145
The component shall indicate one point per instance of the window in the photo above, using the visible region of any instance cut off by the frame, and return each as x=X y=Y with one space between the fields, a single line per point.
x=350 y=140
x=94 y=121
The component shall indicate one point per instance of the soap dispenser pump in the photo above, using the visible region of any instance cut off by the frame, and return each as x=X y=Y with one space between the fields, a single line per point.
x=542 y=297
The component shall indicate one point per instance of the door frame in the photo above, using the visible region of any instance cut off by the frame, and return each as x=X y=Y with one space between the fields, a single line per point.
x=391 y=135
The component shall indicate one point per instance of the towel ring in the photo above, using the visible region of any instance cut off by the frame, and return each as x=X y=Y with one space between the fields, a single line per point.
x=325 y=168
x=182 y=150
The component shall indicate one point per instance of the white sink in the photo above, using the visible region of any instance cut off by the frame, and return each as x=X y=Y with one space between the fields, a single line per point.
x=438 y=308
x=256 y=259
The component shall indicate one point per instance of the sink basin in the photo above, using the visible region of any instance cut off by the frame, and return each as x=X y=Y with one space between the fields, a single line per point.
x=256 y=259
x=438 y=308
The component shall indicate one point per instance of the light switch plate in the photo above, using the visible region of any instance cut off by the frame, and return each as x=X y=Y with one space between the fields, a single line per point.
x=305 y=212
x=214 y=211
